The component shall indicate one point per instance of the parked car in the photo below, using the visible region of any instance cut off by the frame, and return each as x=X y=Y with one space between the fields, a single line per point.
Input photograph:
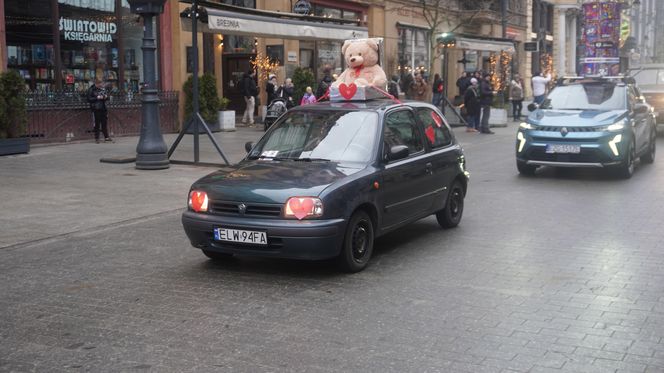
x=326 y=179
x=650 y=80
x=588 y=122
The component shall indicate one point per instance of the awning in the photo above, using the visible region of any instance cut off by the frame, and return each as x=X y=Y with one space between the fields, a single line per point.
x=484 y=45
x=234 y=23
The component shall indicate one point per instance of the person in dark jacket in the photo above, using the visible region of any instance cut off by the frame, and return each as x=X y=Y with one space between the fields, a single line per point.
x=471 y=102
x=287 y=91
x=393 y=86
x=486 y=98
x=437 y=89
x=97 y=96
x=271 y=88
x=323 y=86
x=249 y=91
x=463 y=83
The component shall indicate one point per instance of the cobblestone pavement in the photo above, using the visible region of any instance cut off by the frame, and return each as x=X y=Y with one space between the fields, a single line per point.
x=557 y=273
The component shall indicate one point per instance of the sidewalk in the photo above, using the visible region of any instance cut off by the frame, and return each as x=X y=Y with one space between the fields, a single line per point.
x=60 y=189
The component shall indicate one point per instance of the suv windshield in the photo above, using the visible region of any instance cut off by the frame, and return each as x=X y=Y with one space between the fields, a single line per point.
x=313 y=135
x=587 y=96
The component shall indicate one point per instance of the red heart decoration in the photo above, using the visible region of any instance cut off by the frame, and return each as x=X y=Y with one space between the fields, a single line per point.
x=347 y=91
x=431 y=135
x=307 y=205
x=437 y=119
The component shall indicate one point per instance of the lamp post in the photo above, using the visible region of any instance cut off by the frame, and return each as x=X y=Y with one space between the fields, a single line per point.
x=151 y=151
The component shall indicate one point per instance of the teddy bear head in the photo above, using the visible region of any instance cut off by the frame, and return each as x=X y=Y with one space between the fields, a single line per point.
x=360 y=53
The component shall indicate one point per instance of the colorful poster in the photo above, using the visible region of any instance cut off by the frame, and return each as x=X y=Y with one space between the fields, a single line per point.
x=601 y=38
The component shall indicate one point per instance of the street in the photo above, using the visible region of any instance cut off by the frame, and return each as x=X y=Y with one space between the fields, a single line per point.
x=561 y=272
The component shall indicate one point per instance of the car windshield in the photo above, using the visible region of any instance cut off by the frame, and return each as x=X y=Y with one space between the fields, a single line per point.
x=587 y=96
x=648 y=76
x=316 y=135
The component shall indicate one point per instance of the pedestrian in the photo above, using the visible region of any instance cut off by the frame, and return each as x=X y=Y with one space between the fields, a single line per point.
x=486 y=99
x=539 y=83
x=463 y=83
x=516 y=96
x=286 y=91
x=323 y=86
x=249 y=92
x=271 y=87
x=471 y=102
x=437 y=89
x=406 y=84
x=393 y=86
x=97 y=97
x=419 y=88
x=308 y=97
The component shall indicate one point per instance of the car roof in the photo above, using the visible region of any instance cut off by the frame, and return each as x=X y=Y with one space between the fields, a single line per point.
x=370 y=105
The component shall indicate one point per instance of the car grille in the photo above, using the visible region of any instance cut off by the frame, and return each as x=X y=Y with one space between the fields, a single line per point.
x=569 y=129
x=586 y=156
x=252 y=209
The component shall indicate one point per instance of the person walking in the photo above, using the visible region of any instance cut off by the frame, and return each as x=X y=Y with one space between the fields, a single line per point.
x=437 y=89
x=486 y=99
x=471 y=101
x=323 y=86
x=287 y=90
x=308 y=97
x=393 y=86
x=249 y=91
x=463 y=83
x=419 y=88
x=97 y=97
x=516 y=96
x=539 y=83
x=406 y=85
x=271 y=87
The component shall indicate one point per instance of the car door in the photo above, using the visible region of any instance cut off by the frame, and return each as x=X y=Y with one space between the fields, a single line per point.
x=443 y=156
x=640 y=122
x=405 y=189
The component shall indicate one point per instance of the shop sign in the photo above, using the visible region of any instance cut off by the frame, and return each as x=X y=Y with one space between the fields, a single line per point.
x=85 y=30
x=302 y=7
x=292 y=56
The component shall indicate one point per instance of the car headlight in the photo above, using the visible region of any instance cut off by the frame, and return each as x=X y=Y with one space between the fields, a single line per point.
x=303 y=207
x=613 y=143
x=526 y=126
x=198 y=201
x=522 y=140
x=615 y=127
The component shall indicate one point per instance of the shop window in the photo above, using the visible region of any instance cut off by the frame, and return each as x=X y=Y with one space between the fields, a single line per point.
x=241 y=3
x=413 y=49
x=275 y=53
x=307 y=58
x=329 y=59
x=327 y=12
x=239 y=44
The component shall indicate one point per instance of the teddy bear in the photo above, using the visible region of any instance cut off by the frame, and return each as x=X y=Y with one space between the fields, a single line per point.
x=362 y=60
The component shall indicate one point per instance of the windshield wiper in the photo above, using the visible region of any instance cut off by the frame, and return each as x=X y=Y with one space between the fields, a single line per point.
x=310 y=159
x=254 y=157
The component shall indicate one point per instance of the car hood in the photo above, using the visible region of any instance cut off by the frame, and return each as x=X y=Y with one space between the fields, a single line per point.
x=576 y=118
x=265 y=181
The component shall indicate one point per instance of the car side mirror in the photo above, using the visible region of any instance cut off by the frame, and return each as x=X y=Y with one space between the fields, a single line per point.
x=640 y=108
x=533 y=106
x=398 y=152
x=248 y=145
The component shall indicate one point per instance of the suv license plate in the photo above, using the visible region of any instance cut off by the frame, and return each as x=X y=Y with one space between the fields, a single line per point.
x=239 y=235
x=562 y=148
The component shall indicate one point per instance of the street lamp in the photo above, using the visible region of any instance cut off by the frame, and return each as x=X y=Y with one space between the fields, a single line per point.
x=151 y=151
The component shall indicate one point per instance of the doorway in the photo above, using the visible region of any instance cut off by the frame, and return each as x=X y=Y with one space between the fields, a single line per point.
x=233 y=68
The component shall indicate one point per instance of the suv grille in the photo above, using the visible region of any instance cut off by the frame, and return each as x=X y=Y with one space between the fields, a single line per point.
x=569 y=129
x=251 y=209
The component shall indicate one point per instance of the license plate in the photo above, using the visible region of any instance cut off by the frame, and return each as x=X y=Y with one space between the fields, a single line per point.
x=563 y=148
x=239 y=235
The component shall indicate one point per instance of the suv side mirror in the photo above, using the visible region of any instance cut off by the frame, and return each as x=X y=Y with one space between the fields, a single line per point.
x=248 y=145
x=398 y=152
x=640 y=108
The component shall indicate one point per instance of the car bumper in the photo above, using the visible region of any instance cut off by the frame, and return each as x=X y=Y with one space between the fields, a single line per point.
x=294 y=239
x=595 y=151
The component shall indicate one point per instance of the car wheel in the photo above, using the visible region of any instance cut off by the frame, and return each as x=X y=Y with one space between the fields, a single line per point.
x=217 y=256
x=525 y=169
x=649 y=157
x=626 y=168
x=450 y=216
x=358 y=243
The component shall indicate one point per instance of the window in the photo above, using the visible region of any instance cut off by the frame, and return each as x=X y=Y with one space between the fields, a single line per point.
x=413 y=49
x=401 y=129
x=434 y=128
x=276 y=53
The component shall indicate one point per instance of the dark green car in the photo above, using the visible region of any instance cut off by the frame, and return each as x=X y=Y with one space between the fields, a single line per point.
x=589 y=122
x=328 y=178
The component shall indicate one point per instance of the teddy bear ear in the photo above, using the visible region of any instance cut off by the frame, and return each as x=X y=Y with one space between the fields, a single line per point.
x=345 y=46
x=372 y=44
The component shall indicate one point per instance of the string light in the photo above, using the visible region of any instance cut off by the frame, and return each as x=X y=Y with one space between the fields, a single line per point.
x=264 y=66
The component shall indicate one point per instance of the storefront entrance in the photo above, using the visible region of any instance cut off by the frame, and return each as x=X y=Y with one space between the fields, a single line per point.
x=234 y=67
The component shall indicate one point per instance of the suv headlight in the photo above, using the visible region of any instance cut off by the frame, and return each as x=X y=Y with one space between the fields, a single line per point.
x=615 y=127
x=526 y=126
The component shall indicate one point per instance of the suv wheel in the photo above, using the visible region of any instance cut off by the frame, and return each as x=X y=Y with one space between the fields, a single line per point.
x=358 y=243
x=525 y=169
x=626 y=169
x=450 y=216
x=649 y=157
